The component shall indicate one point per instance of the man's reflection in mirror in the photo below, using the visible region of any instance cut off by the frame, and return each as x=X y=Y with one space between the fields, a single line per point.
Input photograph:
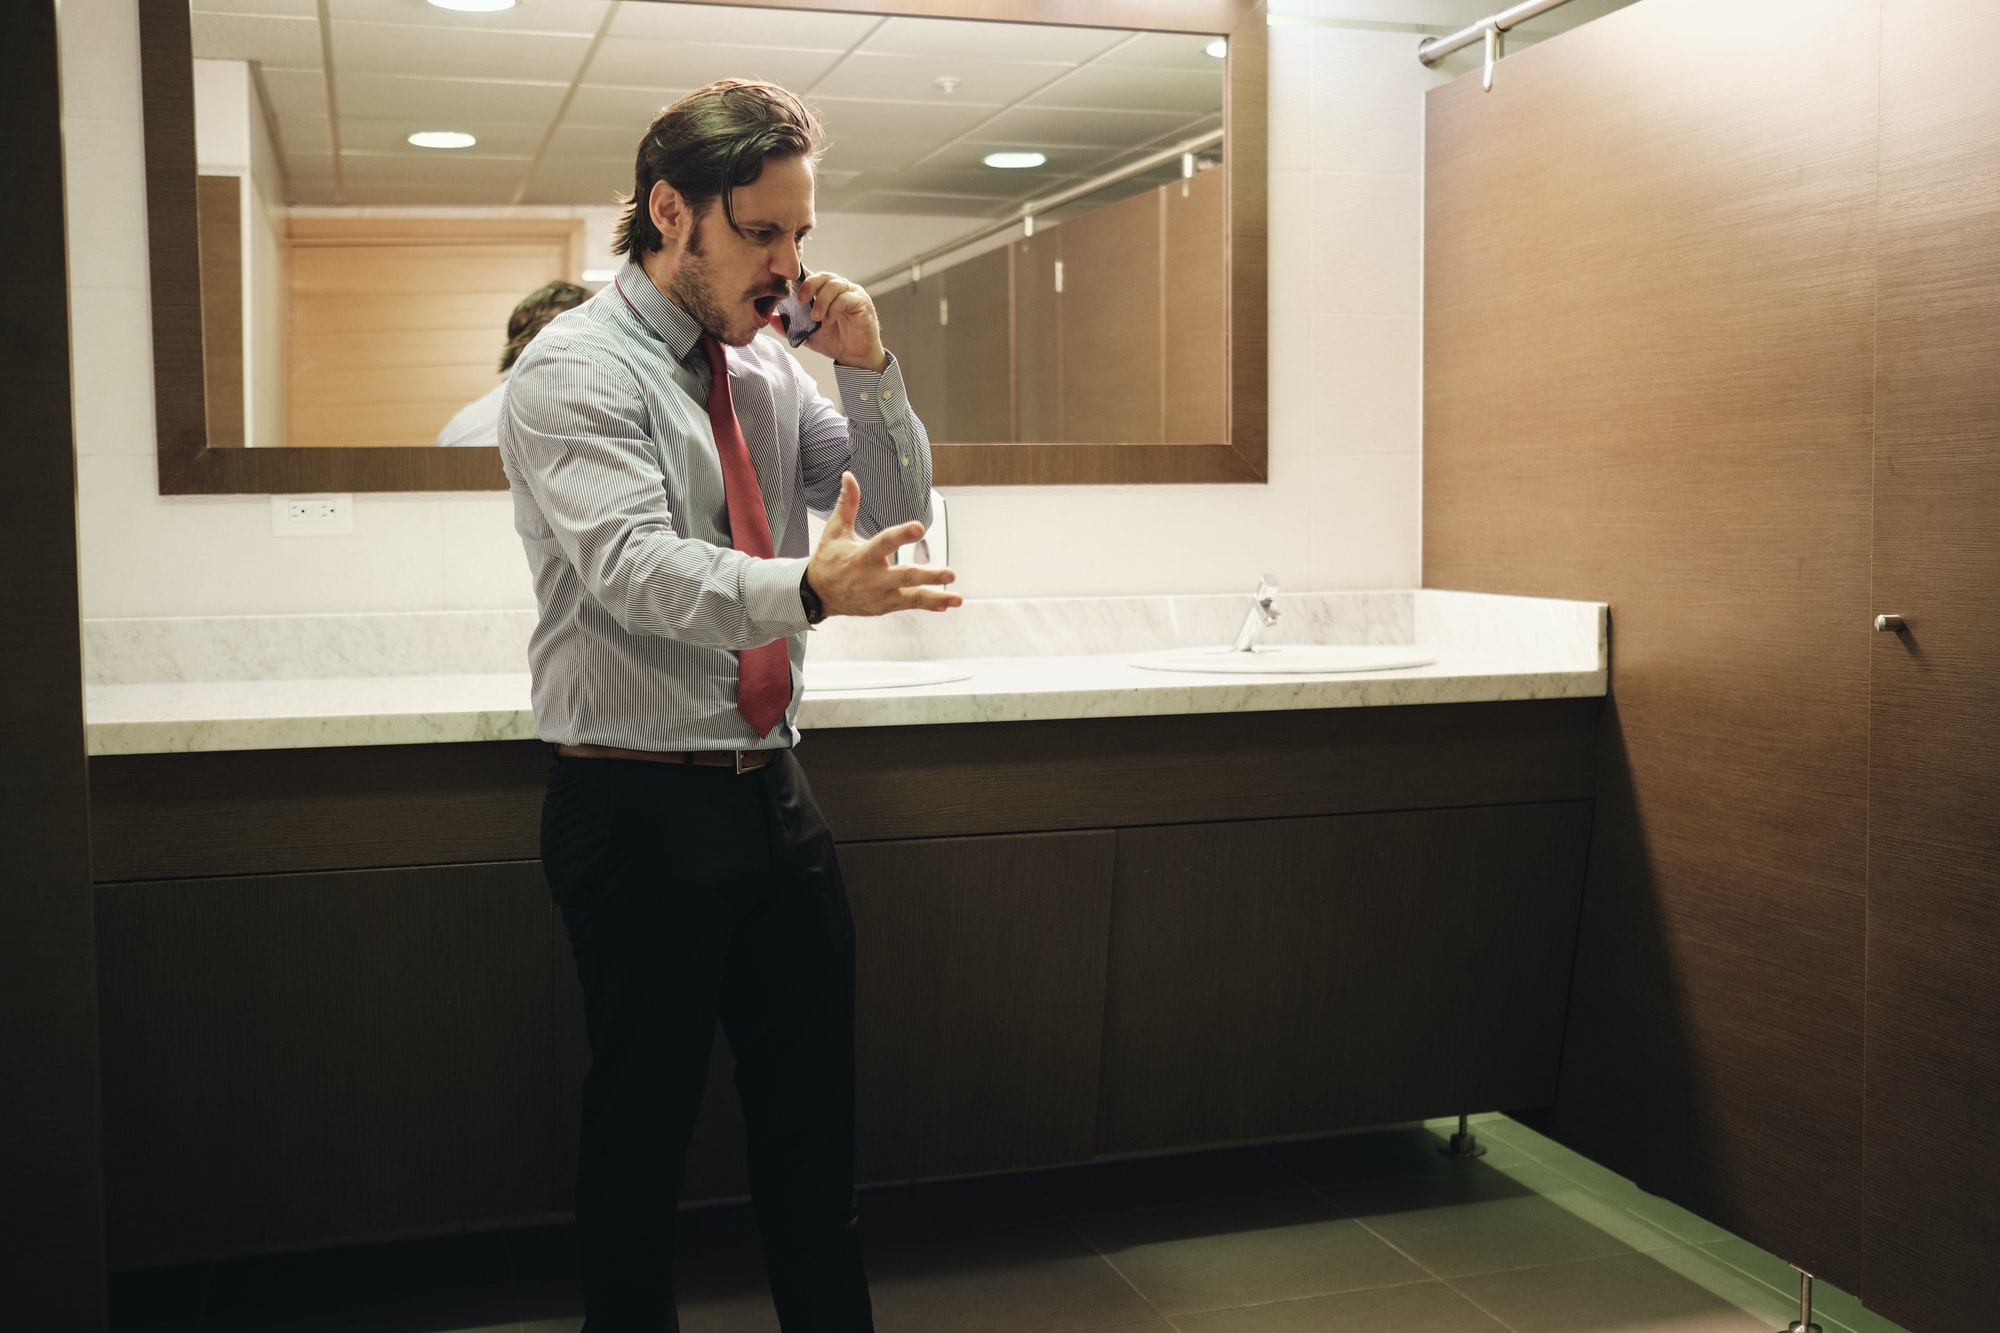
x=478 y=422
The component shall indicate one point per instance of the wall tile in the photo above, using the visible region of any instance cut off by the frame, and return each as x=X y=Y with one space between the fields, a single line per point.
x=100 y=57
x=1294 y=232
x=485 y=568
x=111 y=371
x=1367 y=102
x=1365 y=384
x=1289 y=103
x=1365 y=518
x=104 y=165
x=1367 y=251
x=1291 y=384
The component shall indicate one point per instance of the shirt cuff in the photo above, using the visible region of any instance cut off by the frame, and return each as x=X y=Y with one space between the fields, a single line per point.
x=771 y=595
x=871 y=398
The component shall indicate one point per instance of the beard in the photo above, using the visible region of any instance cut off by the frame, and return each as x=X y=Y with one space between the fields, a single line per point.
x=695 y=289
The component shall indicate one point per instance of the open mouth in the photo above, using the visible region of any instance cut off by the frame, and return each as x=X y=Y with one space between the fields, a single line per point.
x=765 y=305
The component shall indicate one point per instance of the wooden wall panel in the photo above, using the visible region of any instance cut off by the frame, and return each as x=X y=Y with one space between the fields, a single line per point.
x=51 y=1180
x=219 y=211
x=1933 y=1225
x=313 y=1058
x=1219 y=927
x=919 y=345
x=1196 y=368
x=978 y=374
x=1110 y=304
x=396 y=327
x=1649 y=325
x=1038 y=345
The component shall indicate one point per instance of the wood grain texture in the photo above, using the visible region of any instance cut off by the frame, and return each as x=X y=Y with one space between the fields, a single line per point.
x=1649 y=342
x=51 y=1181
x=302 y=1059
x=978 y=374
x=1291 y=976
x=1111 y=315
x=219 y=214
x=1933 y=1065
x=1196 y=355
x=981 y=965
x=274 y=811
x=190 y=466
x=1038 y=350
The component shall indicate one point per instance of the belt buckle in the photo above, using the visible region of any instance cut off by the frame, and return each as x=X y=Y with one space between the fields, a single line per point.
x=740 y=768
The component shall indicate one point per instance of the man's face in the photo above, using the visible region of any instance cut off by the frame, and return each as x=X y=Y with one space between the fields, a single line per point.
x=729 y=280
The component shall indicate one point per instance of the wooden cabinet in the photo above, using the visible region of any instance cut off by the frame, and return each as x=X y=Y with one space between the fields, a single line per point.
x=1096 y=936
x=300 y=1059
x=1281 y=976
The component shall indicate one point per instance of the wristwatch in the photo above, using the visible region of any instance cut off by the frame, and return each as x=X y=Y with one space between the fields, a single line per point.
x=810 y=600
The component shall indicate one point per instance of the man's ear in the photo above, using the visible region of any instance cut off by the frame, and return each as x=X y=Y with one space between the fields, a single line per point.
x=668 y=210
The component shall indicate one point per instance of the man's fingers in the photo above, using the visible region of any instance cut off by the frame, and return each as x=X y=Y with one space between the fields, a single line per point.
x=884 y=543
x=910 y=576
x=930 y=599
x=840 y=523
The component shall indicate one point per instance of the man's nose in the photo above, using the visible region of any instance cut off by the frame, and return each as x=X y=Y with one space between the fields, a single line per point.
x=785 y=260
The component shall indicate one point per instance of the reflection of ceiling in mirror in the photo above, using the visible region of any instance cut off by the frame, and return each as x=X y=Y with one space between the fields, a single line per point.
x=557 y=91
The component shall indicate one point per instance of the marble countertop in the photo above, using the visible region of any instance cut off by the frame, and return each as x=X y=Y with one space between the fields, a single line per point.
x=1487 y=648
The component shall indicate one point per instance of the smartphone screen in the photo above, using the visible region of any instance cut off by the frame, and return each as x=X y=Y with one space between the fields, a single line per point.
x=795 y=316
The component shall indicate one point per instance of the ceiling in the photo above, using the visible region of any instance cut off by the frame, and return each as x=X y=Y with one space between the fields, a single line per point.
x=558 y=91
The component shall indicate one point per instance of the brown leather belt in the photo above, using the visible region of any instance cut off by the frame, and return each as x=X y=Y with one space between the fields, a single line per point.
x=742 y=761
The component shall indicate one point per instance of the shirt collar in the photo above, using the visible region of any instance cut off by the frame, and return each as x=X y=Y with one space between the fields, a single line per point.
x=668 y=322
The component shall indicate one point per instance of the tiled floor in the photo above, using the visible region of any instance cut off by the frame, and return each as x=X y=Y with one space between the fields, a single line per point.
x=1372 y=1232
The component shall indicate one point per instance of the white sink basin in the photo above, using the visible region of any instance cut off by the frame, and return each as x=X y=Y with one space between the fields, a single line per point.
x=822 y=677
x=1286 y=659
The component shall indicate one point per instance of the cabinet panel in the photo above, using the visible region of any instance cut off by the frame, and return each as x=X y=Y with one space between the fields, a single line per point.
x=910 y=329
x=981 y=975
x=1296 y=975
x=976 y=338
x=1111 y=305
x=1197 y=344
x=1933 y=1050
x=1038 y=358
x=303 y=1059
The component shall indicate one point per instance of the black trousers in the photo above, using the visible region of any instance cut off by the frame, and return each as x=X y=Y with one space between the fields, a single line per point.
x=691 y=893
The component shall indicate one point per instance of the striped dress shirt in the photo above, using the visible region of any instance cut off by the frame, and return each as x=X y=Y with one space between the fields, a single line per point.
x=618 y=497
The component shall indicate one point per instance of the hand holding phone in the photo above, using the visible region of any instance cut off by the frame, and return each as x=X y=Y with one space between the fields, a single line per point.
x=796 y=316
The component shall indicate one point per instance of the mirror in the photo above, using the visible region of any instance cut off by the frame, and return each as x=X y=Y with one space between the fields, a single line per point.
x=361 y=251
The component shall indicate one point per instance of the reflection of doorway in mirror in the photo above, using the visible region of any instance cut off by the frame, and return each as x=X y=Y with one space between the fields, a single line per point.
x=397 y=323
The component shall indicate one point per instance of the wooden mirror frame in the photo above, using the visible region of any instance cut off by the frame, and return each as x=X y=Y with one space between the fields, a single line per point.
x=190 y=465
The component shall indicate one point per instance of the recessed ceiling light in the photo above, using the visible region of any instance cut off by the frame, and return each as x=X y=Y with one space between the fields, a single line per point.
x=1217 y=48
x=442 y=139
x=475 y=6
x=1015 y=161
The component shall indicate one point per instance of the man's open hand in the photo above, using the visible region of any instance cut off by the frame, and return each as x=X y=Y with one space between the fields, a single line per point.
x=854 y=577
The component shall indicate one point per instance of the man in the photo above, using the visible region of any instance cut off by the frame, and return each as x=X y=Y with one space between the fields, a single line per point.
x=478 y=422
x=661 y=458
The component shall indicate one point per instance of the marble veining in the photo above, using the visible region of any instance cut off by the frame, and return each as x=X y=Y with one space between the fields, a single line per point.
x=454 y=677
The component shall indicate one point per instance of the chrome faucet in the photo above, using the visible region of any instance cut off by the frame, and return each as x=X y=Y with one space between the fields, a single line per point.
x=1262 y=615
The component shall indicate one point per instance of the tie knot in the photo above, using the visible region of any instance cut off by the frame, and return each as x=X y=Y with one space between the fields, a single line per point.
x=718 y=359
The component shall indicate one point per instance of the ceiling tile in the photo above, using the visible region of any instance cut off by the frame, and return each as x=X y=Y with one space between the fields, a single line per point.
x=886 y=201
x=366 y=134
x=295 y=92
x=595 y=141
x=628 y=109
x=1167 y=50
x=416 y=196
x=496 y=177
x=302 y=134
x=735 y=25
x=872 y=152
x=395 y=48
x=1040 y=127
x=291 y=42
x=1113 y=88
x=913 y=79
x=302 y=169
x=579 y=180
x=288 y=8
x=317 y=192
x=969 y=159
x=636 y=62
x=474 y=101
x=855 y=118
x=992 y=41
x=552 y=16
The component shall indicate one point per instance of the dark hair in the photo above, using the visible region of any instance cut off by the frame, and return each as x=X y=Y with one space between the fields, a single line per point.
x=708 y=143
x=536 y=309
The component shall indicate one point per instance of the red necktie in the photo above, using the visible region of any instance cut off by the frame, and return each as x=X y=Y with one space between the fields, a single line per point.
x=763 y=675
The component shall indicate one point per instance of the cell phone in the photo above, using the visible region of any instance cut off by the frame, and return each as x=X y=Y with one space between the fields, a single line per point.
x=795 y=315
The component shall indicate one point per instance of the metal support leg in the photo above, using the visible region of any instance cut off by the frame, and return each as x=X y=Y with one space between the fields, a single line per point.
x=1804 y=1323
x=1462 y=1144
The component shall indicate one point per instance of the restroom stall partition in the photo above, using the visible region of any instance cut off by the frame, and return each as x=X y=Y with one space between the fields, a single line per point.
x=1712 y=322
x=51 y=1160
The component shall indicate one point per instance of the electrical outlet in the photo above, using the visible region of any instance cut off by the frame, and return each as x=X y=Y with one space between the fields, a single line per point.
x=312 y=516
